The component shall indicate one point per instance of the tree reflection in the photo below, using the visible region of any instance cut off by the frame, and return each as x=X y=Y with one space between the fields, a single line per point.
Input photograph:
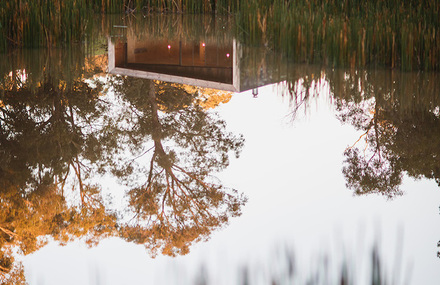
x=398 y=116
x=58 y=135
x=47 y=132
x=179 y=202
x=400 y=125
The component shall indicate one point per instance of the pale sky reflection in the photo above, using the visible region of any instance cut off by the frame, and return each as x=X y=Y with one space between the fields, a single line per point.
x=291 y=172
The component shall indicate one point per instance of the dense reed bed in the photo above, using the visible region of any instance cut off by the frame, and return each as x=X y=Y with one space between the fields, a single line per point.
x=187 y=6
x=391 y=33
x=37 y=23
x=388 y=33
x=43 y=22
x=185 y=27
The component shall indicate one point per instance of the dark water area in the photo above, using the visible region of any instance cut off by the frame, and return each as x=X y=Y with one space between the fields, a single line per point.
x=166 y=149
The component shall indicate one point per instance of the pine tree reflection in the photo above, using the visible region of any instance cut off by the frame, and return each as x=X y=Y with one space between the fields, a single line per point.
x=179 y=202
x=58 y=133
x=399 y=118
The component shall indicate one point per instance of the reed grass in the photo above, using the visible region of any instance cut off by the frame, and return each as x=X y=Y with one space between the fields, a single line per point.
x=371 y=33
x=182 y=6
x=390 y=33
x=37 y=23
x=325 y=270
x=25 y=23
x=185 y=27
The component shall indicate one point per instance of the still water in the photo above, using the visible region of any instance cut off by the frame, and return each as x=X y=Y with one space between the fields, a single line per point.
x=167 y=152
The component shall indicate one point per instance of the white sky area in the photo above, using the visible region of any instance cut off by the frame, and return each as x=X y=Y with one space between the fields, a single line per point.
x=291 y=171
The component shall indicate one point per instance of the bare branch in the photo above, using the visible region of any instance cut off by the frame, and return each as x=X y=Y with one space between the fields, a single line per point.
x=8 y=232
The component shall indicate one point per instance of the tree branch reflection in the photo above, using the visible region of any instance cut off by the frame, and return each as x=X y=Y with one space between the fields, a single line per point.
x=58 y=135
x=399 y=120
x=180 y=202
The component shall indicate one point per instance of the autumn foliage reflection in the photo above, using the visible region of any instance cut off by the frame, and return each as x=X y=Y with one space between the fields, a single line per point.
x=42 y=142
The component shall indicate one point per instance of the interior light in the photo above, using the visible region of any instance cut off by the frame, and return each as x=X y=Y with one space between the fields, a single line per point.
x=203 y=44
x=169 y=47
x=227 y=55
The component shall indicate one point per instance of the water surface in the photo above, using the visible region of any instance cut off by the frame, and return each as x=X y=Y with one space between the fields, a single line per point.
x=291 y=173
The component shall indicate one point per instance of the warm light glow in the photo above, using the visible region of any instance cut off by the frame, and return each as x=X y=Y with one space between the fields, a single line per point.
x=227 y=55
x=203 y=44
x=19 y=74
x=169 y=47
